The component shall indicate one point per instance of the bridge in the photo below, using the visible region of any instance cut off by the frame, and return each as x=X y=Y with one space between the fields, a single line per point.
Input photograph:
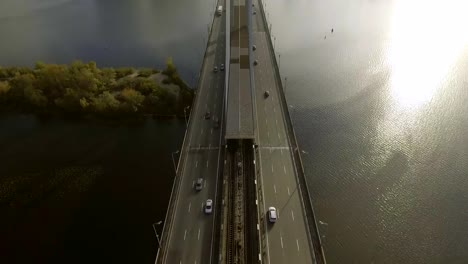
x=240 y=151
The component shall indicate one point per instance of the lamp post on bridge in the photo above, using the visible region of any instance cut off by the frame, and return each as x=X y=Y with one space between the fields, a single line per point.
x=285 y=83
x=279 y=61
x=173 y=162
x=185 y=115
x=156 y=232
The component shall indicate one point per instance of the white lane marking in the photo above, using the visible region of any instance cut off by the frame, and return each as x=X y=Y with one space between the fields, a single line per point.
x=274 y=187
x=211 y=131
x=292 y=214
x=198 y=237
x=276 y=121
x=196 y=163
x=209 y=146
x=266 y=121
x=284 y=168
x=279 y=136
x=193 y=184
x=202 y=131
x=189 y=206
x=185 y=234
x=289 y=192
x=268 y=134
x=281 y=152
x=207 y=163
x=297 y=243
x=281 y=238
x=202 y=206
x=272 y=170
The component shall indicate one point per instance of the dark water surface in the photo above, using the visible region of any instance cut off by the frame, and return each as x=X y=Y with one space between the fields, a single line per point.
x=379 y=108
x=83 y=192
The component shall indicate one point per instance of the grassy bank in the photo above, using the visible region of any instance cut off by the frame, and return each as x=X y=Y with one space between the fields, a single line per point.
x=83 y=89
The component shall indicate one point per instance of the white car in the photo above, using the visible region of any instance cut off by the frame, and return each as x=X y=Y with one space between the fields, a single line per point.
x=209 y=206
x=221 y=67
x=215 y=69
x=272 y=215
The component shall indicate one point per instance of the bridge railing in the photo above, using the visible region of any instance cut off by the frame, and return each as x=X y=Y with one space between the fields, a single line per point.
x=314 y=235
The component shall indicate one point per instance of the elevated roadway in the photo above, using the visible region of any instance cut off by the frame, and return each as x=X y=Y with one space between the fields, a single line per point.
x=290 y=239
x=189 y=233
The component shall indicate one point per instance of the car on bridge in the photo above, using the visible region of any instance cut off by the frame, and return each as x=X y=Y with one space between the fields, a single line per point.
x=266 y=94
x=272 y=215
x=209 y=206
x=199 y=184
x=221 y=67
x=207 y=115
x=215 y=69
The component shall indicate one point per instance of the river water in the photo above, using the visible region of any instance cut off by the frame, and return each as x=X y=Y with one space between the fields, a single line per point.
x=378 y=106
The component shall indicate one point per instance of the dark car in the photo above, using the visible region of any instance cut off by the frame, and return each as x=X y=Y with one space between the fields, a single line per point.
x=266 y=94
x=207 y=115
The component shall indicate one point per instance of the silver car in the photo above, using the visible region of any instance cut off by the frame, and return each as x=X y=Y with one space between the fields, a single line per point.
x=209 y=206
x=272 y=215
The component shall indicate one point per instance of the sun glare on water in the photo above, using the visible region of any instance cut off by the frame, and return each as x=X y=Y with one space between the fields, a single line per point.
x=426 y=39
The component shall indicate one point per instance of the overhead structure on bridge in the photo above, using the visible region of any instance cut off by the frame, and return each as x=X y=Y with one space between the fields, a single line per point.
x=240 y=105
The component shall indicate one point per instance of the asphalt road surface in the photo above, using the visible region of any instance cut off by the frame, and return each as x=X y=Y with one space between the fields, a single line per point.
x=191 y=236
x=286 y=240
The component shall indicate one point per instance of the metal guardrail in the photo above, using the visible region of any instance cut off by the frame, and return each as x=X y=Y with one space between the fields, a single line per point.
x=303 y=190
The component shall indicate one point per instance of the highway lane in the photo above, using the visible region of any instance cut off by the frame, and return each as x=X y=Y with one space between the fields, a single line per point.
x=287 y=240
x=190 y=240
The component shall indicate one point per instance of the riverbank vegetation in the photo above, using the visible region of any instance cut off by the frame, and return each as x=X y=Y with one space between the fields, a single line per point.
x=84 y=89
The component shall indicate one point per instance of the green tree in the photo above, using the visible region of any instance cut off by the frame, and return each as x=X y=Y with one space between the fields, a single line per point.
x=170 y=67
x=145 y=72
x=4 y=88
x=105 y=103
x=35 y=97
x=122 y=72
x=132 y=99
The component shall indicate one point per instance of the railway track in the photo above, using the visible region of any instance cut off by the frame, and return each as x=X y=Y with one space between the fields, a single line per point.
x=241 y=237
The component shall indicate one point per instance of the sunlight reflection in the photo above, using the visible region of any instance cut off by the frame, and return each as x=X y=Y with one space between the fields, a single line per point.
x=426 y=39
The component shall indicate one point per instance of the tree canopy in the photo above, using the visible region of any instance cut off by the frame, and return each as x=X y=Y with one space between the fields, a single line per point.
x=83 y=88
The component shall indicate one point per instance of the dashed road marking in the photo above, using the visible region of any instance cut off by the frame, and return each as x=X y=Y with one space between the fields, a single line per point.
x=189 y=206
x=198 y=237
x=274 y=187
x=289 y=192
x=297 y=243
x=185 y=234
x=284 y=168
x=196 y=163
x=292 y=214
